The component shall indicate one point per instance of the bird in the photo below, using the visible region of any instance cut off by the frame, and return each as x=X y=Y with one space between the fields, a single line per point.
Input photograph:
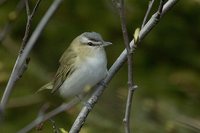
x=83 y=64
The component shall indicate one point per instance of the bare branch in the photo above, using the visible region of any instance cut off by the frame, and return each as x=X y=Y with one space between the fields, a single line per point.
x=147 y=12
x=28 y=24
x=35 y=8
x=19 y=64
x=160 y=8
x=133 y=87
x=80 y=120
x=155 y=17
x=43 y=117
x=18 y=70
x=190 y=123
x=28 y=12
x=121 y=8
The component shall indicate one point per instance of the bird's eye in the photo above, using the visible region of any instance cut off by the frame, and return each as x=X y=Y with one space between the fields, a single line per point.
x=90 y=44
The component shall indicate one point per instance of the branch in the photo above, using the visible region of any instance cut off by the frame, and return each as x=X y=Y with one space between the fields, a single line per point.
x=43 y=117
x=147 y=12
x=190 y=123
x=80 y=120
x=19 y=64
x=28 y=24
x=18 y=69
x=154 y=19
x=132 y=86
x=121 y=9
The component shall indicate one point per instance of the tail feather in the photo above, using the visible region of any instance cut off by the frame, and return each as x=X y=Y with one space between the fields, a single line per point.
x=48 y=86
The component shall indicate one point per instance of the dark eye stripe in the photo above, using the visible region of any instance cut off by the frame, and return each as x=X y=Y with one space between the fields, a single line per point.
x=91 y=44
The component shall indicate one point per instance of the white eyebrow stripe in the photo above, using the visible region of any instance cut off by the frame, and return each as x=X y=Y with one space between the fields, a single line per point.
x=98 y=43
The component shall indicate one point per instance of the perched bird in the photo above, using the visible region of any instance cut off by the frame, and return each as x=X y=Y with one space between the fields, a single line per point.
x=83 y=64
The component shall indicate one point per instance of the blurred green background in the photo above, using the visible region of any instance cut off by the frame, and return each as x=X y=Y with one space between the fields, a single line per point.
x=166 y=66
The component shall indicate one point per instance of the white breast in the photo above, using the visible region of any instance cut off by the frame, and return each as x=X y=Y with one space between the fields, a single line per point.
x=89 y=73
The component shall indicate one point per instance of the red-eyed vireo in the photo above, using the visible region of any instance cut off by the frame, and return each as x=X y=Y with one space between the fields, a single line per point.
x=83 y=64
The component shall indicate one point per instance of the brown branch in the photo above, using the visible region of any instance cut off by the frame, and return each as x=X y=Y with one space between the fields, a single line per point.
x=81 y=118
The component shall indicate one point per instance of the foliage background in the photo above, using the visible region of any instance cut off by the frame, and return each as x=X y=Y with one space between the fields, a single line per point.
x=166 y=66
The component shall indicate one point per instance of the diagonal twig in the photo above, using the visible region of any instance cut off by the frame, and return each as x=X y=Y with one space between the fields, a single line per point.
x=43 y=117
x=28 y=24
x=156 y=17
x=147 y=12
x=81 y=118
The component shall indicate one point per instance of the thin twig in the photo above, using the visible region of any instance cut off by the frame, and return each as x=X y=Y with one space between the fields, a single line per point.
x=41 y=113
x=21 y=59
x=189 y=123
x=28 y=24
x=35 y=8
x=133 y=87
x=123 y=25
x=44 y=117
x=160 y=8
x=126 y=120
x=156 y=17
x=80 y=120
x=28 y=12
x=147 y=12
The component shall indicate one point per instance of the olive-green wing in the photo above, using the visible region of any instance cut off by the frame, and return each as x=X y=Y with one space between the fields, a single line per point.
x=65 y=69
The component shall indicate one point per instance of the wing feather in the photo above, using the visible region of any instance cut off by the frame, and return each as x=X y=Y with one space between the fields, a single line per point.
x=65 y=69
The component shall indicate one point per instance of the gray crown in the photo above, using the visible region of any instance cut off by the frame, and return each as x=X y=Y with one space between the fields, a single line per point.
x=93 y=36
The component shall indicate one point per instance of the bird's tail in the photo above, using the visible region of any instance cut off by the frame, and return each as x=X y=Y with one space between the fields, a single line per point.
x=48 y=86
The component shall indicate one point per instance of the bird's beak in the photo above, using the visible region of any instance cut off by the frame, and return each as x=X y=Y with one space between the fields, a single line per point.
x=106 y=44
